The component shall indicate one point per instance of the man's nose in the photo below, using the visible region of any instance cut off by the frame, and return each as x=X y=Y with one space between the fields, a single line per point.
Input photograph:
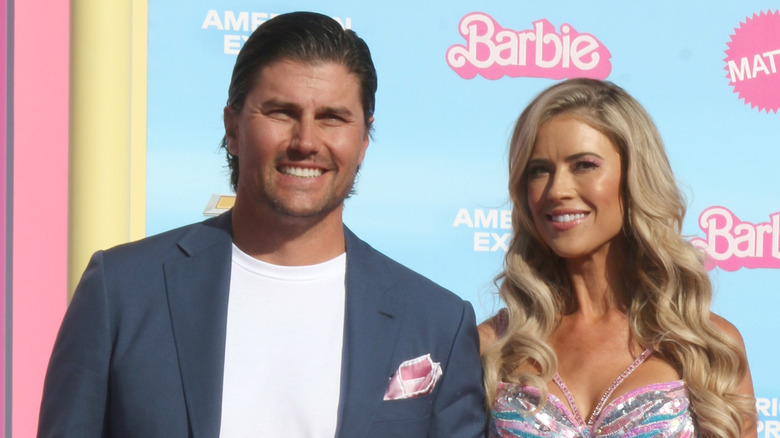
x=305 y=137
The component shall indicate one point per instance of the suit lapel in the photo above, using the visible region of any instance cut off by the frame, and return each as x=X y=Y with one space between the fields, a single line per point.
x=197 y=285
x=371 y=327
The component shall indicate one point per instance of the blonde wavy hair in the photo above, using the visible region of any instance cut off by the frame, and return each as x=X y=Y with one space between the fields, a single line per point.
x=670 y=307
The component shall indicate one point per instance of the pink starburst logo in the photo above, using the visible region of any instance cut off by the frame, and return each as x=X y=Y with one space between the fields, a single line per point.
x=753 y=61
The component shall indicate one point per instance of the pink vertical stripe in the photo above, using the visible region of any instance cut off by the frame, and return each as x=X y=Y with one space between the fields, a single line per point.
x=40 y=198
x=3 y=213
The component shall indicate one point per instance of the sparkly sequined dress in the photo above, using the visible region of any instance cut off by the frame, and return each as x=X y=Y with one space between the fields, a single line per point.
x=657 y=410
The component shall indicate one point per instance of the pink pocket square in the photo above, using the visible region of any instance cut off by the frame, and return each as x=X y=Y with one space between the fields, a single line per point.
x=414 y=378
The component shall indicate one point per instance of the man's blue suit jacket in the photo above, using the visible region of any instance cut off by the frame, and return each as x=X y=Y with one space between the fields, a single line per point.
x=141 y=349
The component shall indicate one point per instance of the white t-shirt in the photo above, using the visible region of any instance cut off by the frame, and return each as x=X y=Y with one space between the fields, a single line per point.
x=285 y=329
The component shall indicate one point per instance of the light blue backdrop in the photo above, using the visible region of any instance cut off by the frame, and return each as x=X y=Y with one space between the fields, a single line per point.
x=439 y=148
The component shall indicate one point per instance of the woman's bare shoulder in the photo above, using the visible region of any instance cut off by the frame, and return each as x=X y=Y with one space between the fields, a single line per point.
x=727 y=328
x=745 y=386
x=487 y=335
x=491 y=329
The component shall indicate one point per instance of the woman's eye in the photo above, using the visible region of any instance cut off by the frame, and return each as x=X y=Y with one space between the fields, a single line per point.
x=537 y=171
x=585 y=165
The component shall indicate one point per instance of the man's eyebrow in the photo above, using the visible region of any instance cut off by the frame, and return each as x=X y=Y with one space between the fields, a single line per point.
x=339 y=110
x=335 y=110
x=276 y=103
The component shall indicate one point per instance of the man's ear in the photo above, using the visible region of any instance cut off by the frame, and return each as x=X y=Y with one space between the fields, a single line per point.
x=230 y=118
x=366 y=139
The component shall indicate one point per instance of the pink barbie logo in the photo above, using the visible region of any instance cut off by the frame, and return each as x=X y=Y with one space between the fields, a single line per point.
x=753 y=61
x=540 y=52
x=732 y=244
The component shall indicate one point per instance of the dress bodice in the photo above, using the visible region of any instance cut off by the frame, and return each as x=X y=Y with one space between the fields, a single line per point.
x=657 y=410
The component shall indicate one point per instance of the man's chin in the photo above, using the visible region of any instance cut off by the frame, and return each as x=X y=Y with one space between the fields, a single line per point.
x=306 y=212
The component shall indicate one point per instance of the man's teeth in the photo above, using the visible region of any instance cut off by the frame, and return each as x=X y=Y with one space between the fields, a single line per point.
x=301 y=172
x=568 y=217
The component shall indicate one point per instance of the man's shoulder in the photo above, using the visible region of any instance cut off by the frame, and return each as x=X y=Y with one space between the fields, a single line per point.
x=182 y=239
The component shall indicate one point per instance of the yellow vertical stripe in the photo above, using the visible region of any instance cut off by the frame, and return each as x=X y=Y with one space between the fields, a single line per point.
x=138 y=120
x=107 y=127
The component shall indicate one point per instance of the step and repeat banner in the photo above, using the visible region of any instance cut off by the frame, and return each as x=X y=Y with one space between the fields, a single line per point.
x=453 y=78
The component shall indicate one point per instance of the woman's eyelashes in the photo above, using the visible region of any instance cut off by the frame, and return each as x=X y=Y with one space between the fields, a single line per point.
x=536 y=170
x=586 y=164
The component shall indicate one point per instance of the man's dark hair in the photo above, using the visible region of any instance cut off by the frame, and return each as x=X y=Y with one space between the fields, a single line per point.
x=306 y=37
